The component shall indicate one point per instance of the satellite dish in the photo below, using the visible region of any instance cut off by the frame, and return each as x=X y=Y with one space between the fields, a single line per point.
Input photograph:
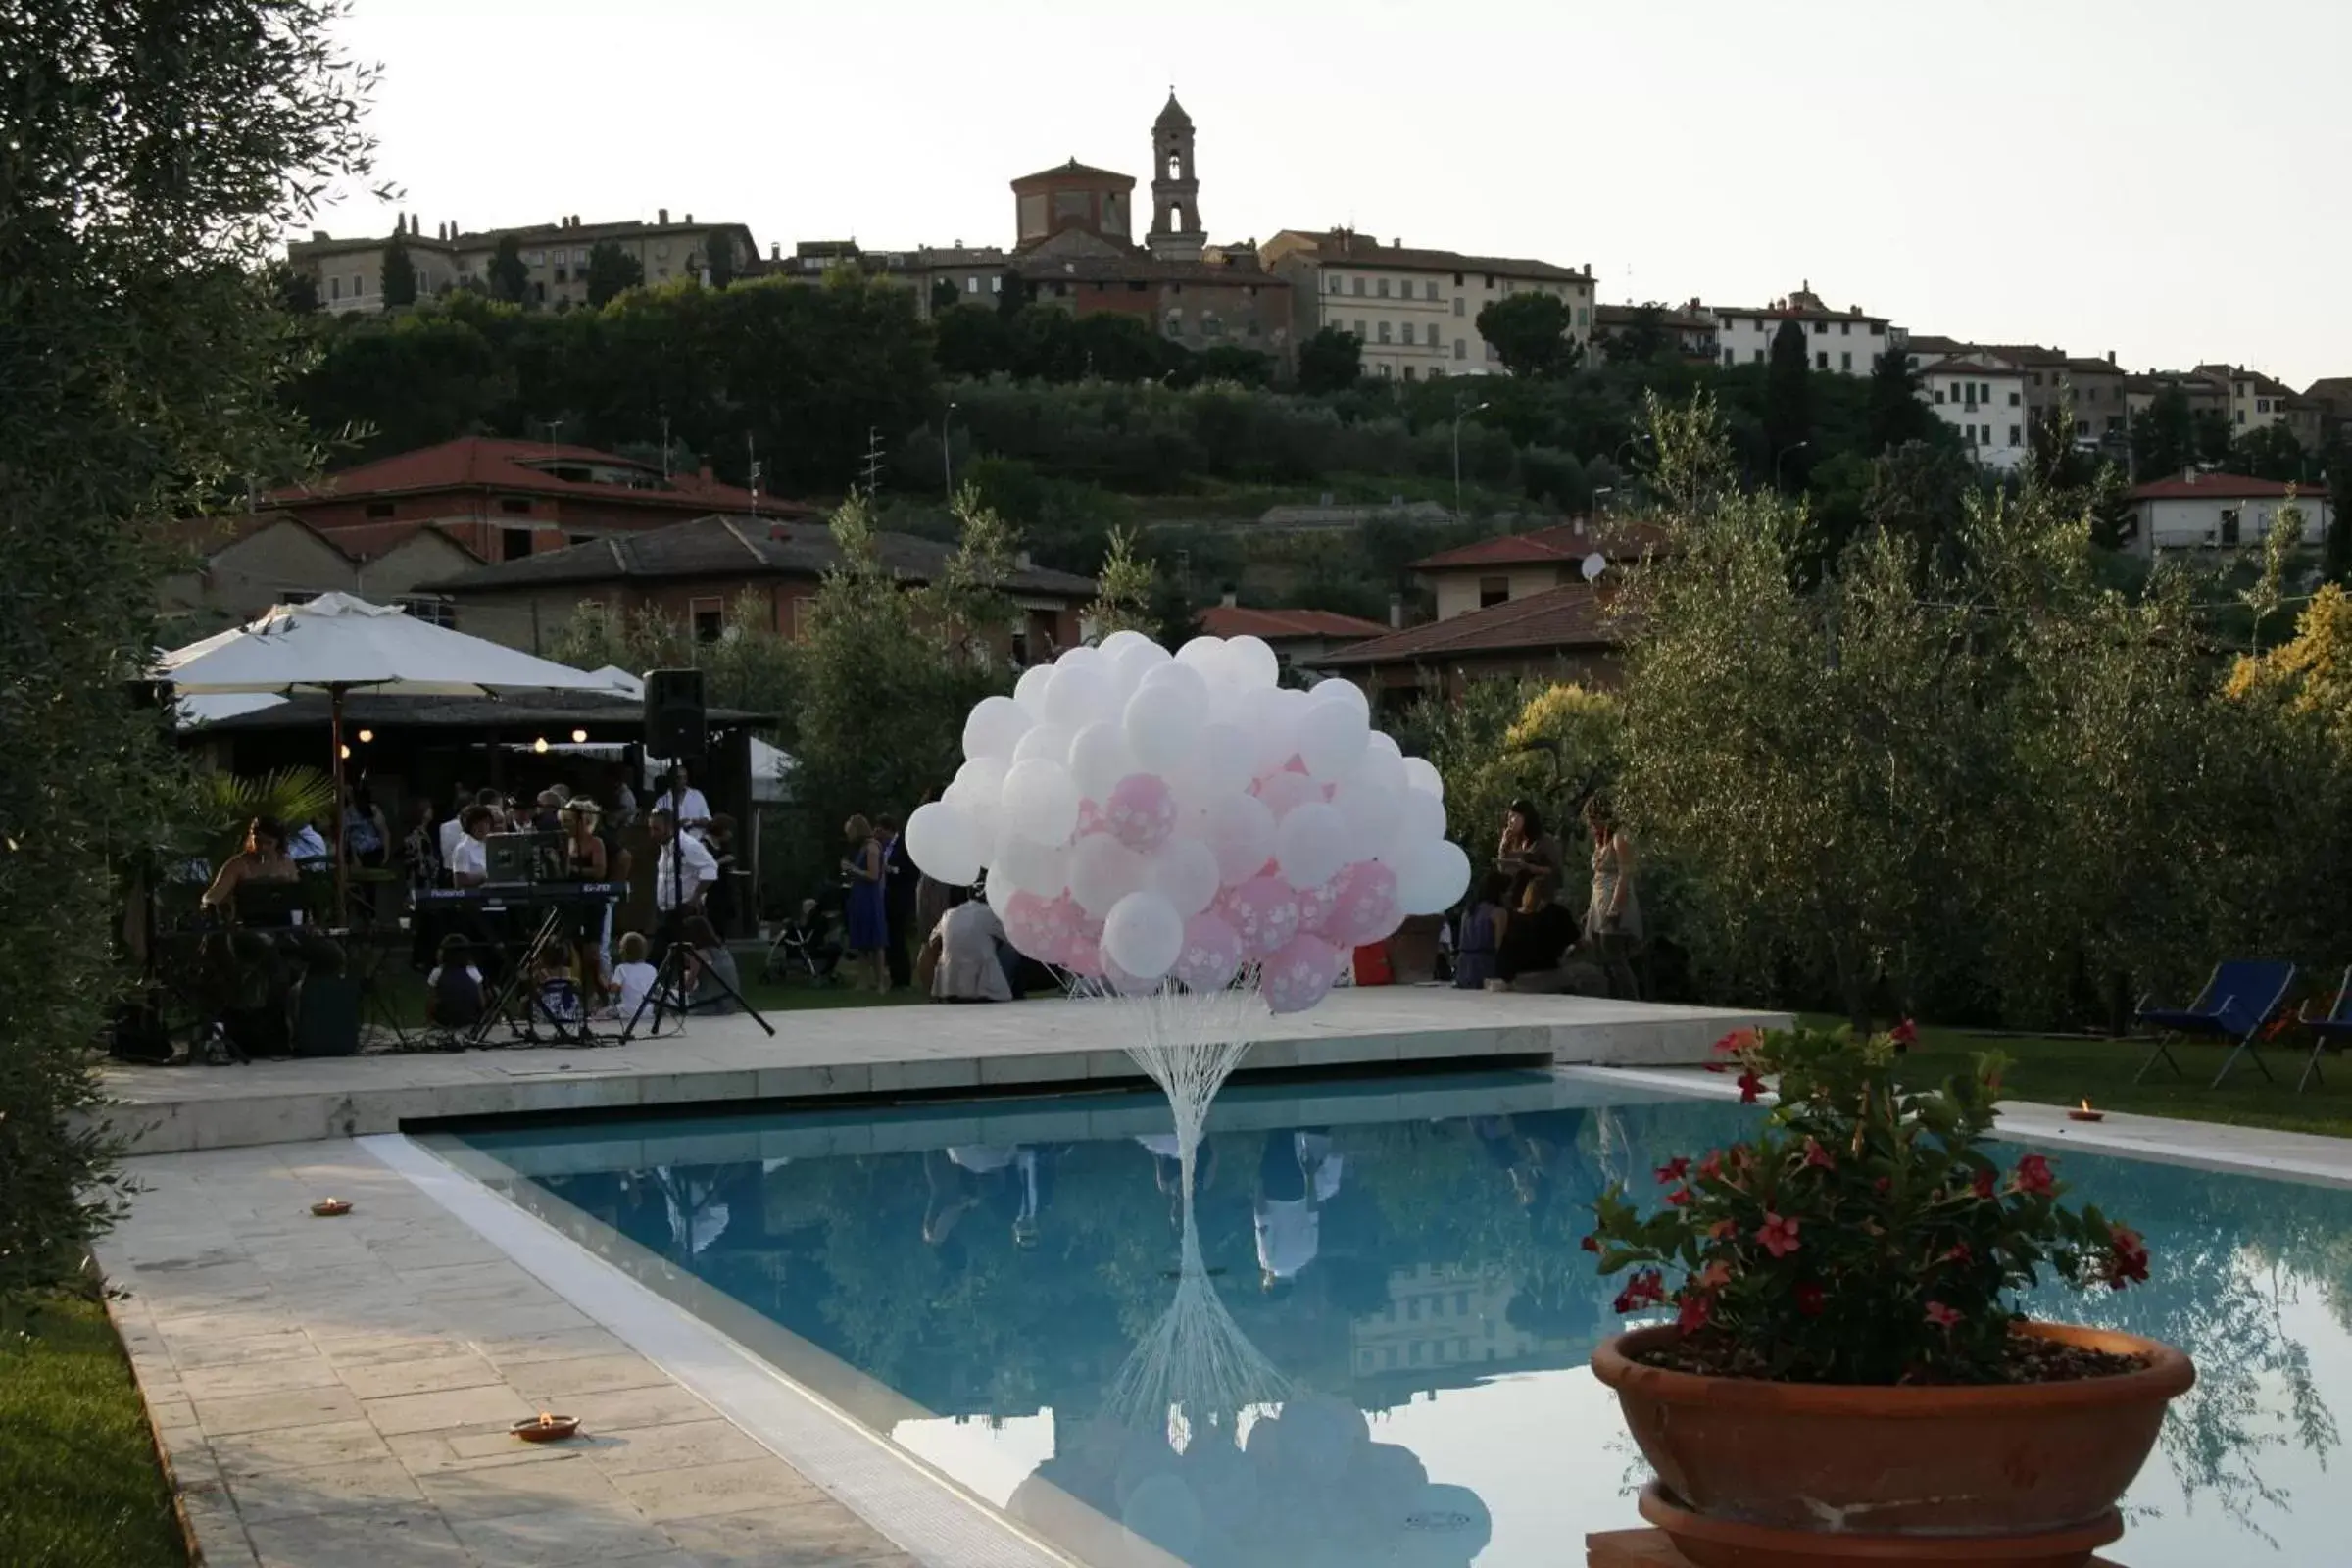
x=1593 y=565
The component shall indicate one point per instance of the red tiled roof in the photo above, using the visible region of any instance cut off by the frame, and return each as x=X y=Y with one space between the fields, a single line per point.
x=478 y=461
x=372 y=541
x=2223 y=487
x=1571 y=615
x=1561 y=543
x=1073 y=170
x=208 y=537
x=1274 y=626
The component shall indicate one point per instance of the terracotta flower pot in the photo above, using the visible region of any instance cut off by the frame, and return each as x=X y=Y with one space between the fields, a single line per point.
x=1752 y=1468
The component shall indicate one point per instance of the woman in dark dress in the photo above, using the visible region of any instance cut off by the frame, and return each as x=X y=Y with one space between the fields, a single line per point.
x=1538 y=930
x=868 y=921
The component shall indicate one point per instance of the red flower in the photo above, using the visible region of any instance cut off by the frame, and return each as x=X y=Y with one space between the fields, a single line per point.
x=2033 y=1175
x=1778 y=1234
x=1943 y=1316
x=1674 y=1170
x=1712 y=1167
x=1750 y=1086
x=1959 y=1253
x=1723 y=1230
x=1735 y=1042
x=1884 y=1185
x=1815 y=1155
x=1982 y=1182
x=2127 y=1259
x=1905 y=1035
x=1696 y=1308
x=1680 y=1198
x=1591 y=1243
x=1811 y=1299
x=1714 y=1277
x=1645 y=1289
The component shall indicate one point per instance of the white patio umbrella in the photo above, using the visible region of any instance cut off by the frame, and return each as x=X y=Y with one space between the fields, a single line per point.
x=337 y=643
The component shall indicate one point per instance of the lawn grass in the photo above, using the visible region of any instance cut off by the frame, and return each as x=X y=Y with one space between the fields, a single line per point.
x=79 y=1485
x=2060 y=1072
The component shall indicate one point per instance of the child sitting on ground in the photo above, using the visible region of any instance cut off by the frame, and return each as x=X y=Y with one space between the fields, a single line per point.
x=556 y=999
x=632 y=975
x=453 y=992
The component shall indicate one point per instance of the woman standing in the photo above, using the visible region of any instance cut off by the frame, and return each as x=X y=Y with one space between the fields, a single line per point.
x=1540 y=930
x=586 y=860
x=1614 y=917
x=420 y=855
x=1484 y=924
x=870 y=923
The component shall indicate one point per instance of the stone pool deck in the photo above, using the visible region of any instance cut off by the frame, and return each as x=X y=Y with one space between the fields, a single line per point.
x=817 y=1054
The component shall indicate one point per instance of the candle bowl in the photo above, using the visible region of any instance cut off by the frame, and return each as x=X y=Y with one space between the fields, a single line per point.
x=330 y=1207
x=546 y=1427
x=2086 y=1113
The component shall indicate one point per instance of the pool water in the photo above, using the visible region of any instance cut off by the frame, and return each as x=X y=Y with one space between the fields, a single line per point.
x=995 y=1288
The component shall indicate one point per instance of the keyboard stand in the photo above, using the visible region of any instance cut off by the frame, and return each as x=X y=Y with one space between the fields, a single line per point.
x=518 y=980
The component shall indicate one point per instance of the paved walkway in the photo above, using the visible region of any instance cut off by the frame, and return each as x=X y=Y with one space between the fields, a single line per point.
x=858 y=1050
x=333 y=1393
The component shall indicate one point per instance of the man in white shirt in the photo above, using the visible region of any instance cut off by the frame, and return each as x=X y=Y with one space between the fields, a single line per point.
x=469 y=861
x=454 y=830
x=1298 y=1175
x=685 y=802
x=682 y=872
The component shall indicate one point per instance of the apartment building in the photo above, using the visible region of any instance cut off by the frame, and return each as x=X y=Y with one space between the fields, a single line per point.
x=2221 y=511
x=2054 y=382
x=2255 y=401
x=1845 y=342
x=1687 y=330
x=1414 y=310
x=1983 y=398
x=349 y=273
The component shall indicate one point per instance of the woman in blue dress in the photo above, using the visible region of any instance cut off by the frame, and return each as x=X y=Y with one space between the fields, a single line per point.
x=869 y=925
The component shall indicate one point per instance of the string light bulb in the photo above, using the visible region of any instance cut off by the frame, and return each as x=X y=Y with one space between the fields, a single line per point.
x=579 y=737
x=539 y=745
x=365 y=736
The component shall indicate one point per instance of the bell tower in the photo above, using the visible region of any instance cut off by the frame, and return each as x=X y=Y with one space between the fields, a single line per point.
x=1176 y=233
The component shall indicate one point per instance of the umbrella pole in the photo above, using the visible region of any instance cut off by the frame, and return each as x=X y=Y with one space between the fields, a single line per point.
x=342 y=874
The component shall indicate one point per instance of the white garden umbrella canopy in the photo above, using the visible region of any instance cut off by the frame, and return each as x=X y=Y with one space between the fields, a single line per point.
x=337 y=643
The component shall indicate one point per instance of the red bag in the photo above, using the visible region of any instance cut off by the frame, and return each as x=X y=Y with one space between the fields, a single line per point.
x=1372 y=965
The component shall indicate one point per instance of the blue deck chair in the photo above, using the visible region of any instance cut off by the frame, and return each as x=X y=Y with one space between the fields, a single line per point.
x=2333 y=1030
x=2234 y=1004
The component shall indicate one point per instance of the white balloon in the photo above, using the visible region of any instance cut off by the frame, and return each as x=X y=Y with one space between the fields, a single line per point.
x=1204 y=654
x=1030 y=690
x=1433 y=876
x=1039 y=800
x=1100 y=759
x=1227 y=759
x=1420 y=818
x=1420 y=773
x=1173 y=672
x=945 y=843
x=1162 y=723
x=1383 y=741
x=1143 y=934
x=1118 y=642
x=1340 y=689
x=1083 y=657
x=1136 y=660
x=1080 y=694
x=1252 y=661
x=1239 y=831
x=1275 y=718
x=1190 y=783
x=1311 y=844
x=1331 y=740
x=995 y=728
x=1283 y=793
x=1382 y=767
x=1030 y=868
x=1103 y=872
x=1185 y=872
x=1049 y=742
x=1370 y=809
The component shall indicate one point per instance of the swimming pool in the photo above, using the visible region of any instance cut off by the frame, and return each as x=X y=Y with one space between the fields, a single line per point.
x=1386 y=1359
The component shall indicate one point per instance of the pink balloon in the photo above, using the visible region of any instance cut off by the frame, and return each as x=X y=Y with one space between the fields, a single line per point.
x=1283 y=793
x=1083 y=955
x=1364 y=906
x=1212 y=952
x=1089 y=818
x=1264 y=912
x=1041 y=928
x=1140 y=813
x=1300 y=975
x=1316 y=904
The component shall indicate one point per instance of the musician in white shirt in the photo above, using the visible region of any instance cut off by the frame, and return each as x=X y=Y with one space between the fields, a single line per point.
x=469 y=861
x=683 y=800
x=684 y=870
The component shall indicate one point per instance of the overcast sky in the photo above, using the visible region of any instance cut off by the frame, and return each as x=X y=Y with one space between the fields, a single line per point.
x=2158 y=177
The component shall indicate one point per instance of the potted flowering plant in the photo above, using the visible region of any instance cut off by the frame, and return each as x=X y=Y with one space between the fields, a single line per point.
x=1844 y=1357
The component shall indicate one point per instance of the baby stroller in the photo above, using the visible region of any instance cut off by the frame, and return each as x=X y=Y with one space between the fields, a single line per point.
x=809 y=947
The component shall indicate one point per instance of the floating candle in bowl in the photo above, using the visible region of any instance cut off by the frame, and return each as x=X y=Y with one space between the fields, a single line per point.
x=2084 y=1112
x=329 y=1207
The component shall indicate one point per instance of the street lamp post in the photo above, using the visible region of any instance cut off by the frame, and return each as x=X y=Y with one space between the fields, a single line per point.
x=1458 y=413
x=1782 y=453
x=947 y=454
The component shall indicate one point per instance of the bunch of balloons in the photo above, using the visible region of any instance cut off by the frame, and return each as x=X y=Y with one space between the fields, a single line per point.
x=1146 y=819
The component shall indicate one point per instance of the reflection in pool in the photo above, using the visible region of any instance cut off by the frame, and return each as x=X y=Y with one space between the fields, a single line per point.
x=1377 y=1345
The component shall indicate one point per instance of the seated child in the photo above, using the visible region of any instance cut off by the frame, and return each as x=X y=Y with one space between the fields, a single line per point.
x=555 y=998
x=453 y=992
x=633 y=976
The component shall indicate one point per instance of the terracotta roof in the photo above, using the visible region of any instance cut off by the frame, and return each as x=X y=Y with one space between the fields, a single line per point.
x=1669 y=318
x=1568 y=616
x=2223 y=487
x=1561 y=543
x=2026 y=354
x=1969 y=366
x=359 y=544
x=1274 y=626
x=478 y=461
x=1142 y=267
x=722 y=545
x=2330 y=389
x=2094 y=367
x=1340 y=247
x=1064 y=170
x=372 y=541
x=1931 y=343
